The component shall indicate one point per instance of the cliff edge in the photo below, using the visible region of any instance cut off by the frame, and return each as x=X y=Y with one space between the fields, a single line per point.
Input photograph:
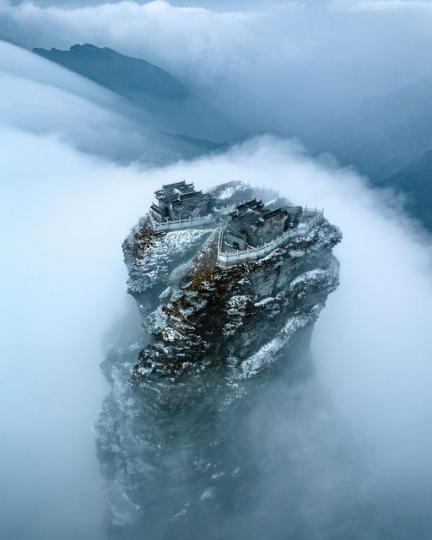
x=228 y=285
x=205 y=307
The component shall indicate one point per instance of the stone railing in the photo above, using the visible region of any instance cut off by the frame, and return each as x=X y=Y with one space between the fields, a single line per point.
x=175 y=225
x=179 y=224
x=226 y=258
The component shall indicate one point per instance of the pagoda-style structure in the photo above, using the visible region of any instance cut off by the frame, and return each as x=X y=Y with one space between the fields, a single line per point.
x=252 y=224
x=179 y=201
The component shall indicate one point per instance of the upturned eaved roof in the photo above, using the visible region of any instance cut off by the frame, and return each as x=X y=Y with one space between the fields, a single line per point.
x=176 y=190
x=254 y=214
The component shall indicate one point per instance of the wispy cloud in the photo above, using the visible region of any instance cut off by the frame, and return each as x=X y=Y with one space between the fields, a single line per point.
x=280 y=66
x=42 y=97
x=422 y=6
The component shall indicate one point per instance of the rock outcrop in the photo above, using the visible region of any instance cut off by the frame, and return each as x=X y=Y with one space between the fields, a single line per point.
x=167 y=437
x=200 y=313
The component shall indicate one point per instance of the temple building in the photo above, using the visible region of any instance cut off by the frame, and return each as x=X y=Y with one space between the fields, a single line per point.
x=252 y=224
x=179 y=200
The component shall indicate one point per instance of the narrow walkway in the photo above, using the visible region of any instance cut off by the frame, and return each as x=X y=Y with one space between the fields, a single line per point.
x=226 y=258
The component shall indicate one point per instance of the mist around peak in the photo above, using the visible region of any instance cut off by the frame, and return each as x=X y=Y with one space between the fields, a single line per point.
x=346 y=455
x=371 y=356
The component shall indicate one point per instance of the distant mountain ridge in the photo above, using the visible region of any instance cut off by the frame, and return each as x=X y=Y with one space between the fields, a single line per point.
x=165 y=102
x=123 y=74
x=388 y=138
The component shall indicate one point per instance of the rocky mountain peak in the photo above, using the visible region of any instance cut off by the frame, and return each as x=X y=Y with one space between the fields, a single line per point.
x=218 y=323
x=219 y=280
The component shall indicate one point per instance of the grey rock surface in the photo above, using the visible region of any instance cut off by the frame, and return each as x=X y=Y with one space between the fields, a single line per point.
x=170 y=437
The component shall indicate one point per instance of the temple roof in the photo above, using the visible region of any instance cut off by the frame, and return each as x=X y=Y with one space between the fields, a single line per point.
x=169 y=192
x=254 y=214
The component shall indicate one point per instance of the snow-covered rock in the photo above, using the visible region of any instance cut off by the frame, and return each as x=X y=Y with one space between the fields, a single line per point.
x=208 y=332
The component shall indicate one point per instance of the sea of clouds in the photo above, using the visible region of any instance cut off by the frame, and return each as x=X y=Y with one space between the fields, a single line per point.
x=63 y=216
x=287 y=67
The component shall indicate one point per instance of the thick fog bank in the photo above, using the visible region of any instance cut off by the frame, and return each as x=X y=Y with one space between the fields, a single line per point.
x=63 y=217
x=371 y=342
x=284 y=67
x=41 y=97
x=61 y=274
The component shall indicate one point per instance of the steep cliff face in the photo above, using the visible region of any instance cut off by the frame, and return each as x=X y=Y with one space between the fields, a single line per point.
x=201 y=313
x=168 y=438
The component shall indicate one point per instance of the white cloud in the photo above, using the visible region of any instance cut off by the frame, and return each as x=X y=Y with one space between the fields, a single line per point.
x=421 y=6
x=42 y=97
x=372 y=345
x=63 y=216
x=62 y=219
x=157 y=30
x=281 y=66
